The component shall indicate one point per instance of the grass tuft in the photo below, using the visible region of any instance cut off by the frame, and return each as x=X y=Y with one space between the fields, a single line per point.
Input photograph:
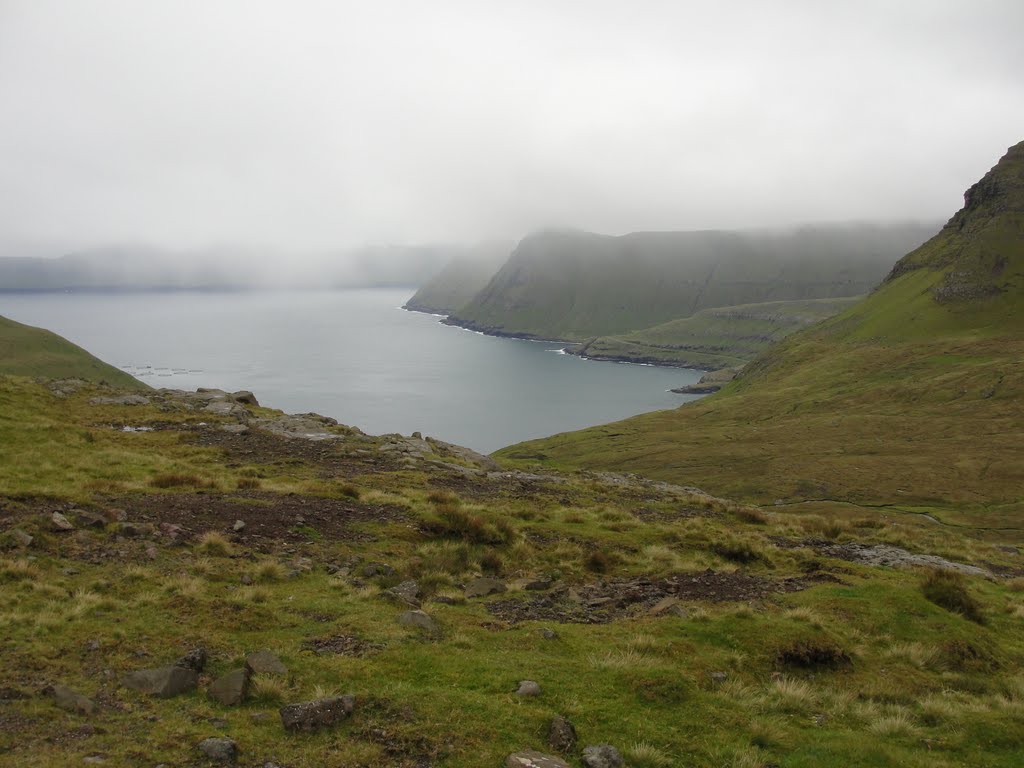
x=948 y=590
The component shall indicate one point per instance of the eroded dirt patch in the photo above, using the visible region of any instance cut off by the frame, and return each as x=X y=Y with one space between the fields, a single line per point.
x=269 y=518
x=342 y=645
x=601 y=602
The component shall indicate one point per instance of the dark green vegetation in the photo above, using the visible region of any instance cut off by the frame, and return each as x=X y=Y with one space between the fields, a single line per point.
x=689 y=630
x=722 y=337
x=28 y=351
x=460 y=280
x=577 y=285
x=912 y=399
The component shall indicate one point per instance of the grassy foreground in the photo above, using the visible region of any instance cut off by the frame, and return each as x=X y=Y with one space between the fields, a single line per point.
x=723 y=337
x=686 y=630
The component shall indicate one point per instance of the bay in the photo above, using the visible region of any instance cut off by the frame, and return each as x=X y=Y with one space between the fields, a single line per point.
x=356 y=356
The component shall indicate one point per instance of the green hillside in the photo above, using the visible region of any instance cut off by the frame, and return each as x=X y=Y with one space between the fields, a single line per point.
x=576 y=285
x=913 y=398
x=459 y=280
x=723 y=337
x=28 y=351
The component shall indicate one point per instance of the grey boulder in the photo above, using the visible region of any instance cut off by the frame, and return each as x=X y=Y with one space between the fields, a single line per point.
x=219 y=748
x=420 y=620
x=562 y=735
x=528 y=688
x=68 y=700
x=265 y=663
x=162 y=682
x=229 y=690
x=483 y=586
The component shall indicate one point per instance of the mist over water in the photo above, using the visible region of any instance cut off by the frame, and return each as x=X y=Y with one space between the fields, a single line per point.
x=354 y=356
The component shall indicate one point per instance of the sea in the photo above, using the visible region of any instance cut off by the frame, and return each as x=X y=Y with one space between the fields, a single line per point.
x=354 y=355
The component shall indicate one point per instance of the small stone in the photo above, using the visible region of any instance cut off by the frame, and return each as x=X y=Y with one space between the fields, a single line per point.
x=531 y=759
x=483 y=586
x=549 y=634
x=68 y=700
x=407 y=592
x=313 y=715
x=265 y=663
x=152 y=553
x=420 y=620
x=602 y=756
x=528 y=688
x=229 y=690
x=20 y=538
x=61 y=523
x=222 y=749
x=238 y=526
x=719 y=678
x=562 y=735
x=538 y=585
x=246 y=579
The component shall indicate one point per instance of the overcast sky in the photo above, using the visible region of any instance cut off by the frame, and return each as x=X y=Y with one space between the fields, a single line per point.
x=317 y=125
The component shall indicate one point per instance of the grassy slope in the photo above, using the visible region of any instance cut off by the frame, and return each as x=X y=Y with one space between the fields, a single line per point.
x=902 y=400
x=923 y=687
x=458 y=281
x=28 y=351
x=722 y=337
x=576 y=285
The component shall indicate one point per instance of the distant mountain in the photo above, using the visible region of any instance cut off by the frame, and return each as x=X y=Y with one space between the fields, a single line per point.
x=914 y=397
x=147 y=268
x=28 y=351
x=722 y=337
x=577 y=285
x=460 y=279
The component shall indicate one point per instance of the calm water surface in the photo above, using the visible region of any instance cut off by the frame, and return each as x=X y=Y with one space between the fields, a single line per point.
x=356 y=356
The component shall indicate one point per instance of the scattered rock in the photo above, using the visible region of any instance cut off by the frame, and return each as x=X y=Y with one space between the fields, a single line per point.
x=120 y=400
x=562 y=735
x=162 y=682
x=420 y=620
x=602 y=756
x=61 y=523
x=67 y=699
x=532 y=759
x=265 y=663
x=222 y=749
x=528 y=688
x=483 y=586
x=313 y=715
x=91 y=519
x=407 y=592
x=229 y=690
x=719 y=678
x=238 y=526
x=377 y=569
x=549 y=634
x=19 y=537
x=538 y=585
